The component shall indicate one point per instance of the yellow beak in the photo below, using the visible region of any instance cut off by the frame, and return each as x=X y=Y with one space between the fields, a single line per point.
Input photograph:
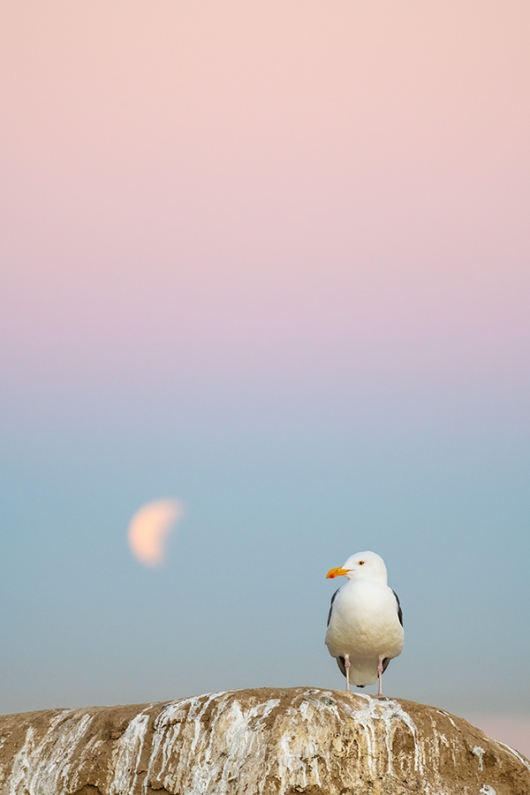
x=339 y=572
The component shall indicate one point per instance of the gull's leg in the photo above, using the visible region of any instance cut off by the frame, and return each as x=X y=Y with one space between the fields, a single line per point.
x=347 y=666
x=380 y=676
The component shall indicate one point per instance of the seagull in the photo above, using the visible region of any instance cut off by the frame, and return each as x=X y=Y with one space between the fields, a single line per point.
x=365 y=621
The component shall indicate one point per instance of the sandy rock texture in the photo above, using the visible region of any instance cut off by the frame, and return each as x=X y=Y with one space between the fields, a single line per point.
x=269 y=741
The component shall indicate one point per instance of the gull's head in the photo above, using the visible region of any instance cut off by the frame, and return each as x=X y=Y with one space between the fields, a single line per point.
x=363 y=564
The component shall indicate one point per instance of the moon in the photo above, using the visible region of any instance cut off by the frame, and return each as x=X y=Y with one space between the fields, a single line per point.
x=150 y=527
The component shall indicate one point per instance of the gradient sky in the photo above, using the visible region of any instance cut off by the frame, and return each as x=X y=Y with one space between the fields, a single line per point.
x=270 y=259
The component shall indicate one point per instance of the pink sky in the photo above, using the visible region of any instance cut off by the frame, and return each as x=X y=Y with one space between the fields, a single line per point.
x=190 y=182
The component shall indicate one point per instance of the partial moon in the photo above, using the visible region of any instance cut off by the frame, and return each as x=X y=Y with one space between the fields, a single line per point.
x=150 y=528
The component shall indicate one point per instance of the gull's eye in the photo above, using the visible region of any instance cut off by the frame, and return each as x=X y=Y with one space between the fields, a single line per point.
x=361 y=563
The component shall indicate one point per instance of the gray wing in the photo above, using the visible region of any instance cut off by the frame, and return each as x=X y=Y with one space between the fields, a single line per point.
x=400 y=611
x=331 y=605
x=342 y=667
x=386 y=661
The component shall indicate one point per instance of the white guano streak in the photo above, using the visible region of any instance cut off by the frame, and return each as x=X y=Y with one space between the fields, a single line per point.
x=239 y=735
x=392 y=714
x=479 y=752
x=127 y=755
x=44 y=767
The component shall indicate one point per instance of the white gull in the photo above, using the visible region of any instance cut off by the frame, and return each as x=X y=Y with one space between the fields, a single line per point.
x=365 y=622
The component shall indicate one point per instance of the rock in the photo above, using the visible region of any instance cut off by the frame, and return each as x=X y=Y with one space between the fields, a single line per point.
x=267 y=741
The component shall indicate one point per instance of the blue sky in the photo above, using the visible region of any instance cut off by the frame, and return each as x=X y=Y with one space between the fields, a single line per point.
x=241 y=600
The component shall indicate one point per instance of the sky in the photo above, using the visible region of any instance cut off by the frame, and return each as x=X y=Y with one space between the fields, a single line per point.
x=269 y=262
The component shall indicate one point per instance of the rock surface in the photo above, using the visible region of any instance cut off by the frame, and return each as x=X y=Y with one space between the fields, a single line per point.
x=268 y=741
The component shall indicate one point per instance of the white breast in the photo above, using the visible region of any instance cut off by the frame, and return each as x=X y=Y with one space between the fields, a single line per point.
x=364 y=622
